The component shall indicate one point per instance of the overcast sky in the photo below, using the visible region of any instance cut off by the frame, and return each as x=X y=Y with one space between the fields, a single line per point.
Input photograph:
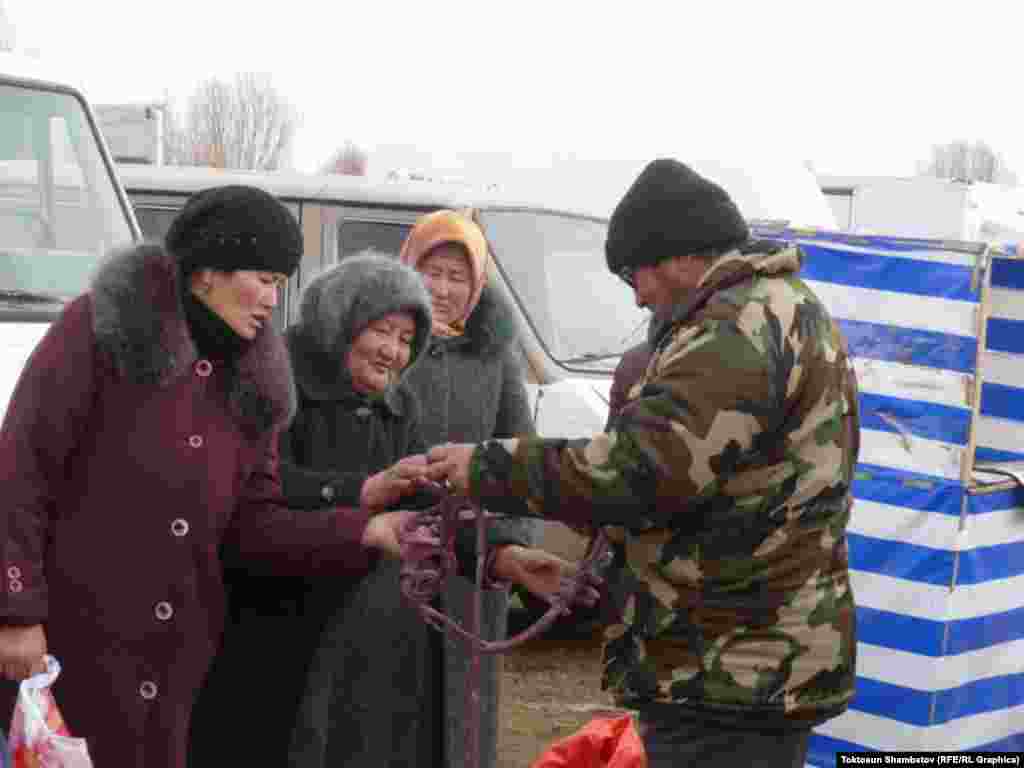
x=853 y=87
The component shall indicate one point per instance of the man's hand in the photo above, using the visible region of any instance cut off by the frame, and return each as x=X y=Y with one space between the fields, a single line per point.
x=542 y=573
x=451 y=462
x=21 y=651
x=382 y=531
x=387 y=488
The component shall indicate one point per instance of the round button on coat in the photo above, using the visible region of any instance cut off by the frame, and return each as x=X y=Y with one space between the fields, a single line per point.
x=148 y=690
x=196 y=441
x=14 y=572
x=327 y=493
x=164 y=611
x=15 y=586
x=179 y=527
x=204 y=368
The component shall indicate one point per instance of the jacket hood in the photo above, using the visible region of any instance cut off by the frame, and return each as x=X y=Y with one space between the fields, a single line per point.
x=340 y=303
x=753 y=259
x=139 y=319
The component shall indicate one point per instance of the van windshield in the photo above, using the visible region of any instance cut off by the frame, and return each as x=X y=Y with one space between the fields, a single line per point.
x=59 y=210
x=586 y=316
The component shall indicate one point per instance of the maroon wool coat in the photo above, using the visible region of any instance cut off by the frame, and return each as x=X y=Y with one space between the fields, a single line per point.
x=127 y=468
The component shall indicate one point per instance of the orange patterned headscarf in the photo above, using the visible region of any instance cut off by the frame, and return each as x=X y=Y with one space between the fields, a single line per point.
x=442 y=227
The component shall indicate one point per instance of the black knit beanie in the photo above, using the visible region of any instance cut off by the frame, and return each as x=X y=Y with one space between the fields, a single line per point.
x=671 y=211
x=235 y=227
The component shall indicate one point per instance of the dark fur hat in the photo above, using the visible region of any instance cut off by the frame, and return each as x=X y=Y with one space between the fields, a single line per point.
x=235 y=227
x=670 y=210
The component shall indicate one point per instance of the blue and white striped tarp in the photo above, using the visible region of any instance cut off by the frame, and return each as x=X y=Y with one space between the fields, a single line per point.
x=910 y=312
x=937 y=563
x=1001 y=426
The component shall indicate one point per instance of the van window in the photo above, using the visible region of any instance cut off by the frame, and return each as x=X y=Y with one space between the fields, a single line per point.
x=385 y=237
x=154 y=222
x=59 y=209
x=585 y=315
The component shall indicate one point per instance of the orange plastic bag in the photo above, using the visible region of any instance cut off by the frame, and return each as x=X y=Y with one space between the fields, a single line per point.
x=604 y=742
x=38 y=737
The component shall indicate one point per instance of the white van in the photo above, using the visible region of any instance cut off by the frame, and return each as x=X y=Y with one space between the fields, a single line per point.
x=61 y=207
x=574 y=317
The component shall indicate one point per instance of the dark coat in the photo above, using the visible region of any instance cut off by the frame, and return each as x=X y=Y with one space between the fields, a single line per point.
x=360 y=705
x=344 y=716
x=128 y=466
x=337 y=439
x=471 y=388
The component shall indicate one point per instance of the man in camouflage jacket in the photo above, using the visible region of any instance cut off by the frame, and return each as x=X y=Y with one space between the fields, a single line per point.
x=730 y=469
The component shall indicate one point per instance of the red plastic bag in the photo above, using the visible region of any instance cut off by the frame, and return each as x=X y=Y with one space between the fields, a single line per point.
x=604 y=742
x=38 y=737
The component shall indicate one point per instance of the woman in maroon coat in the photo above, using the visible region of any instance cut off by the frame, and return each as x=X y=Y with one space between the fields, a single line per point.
x=139 y=448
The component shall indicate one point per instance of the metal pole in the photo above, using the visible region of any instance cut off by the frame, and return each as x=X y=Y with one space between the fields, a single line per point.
x=473 y=746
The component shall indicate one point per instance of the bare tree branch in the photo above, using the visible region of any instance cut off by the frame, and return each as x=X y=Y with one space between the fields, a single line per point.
x=962 y=161
x=242 y=124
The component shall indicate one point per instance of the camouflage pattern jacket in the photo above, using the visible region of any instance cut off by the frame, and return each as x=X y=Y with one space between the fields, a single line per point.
x=729 y=470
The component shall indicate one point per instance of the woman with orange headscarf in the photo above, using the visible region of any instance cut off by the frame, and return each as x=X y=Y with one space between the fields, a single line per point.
x=471 y=387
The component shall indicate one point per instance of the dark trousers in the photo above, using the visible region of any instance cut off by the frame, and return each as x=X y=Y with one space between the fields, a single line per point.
x=681 y=743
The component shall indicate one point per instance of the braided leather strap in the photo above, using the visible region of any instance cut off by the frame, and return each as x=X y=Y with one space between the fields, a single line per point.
x=428 y=557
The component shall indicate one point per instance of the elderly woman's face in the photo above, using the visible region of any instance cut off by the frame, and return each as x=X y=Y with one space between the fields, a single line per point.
x=244 y=299
x=450 y=282
x=380 y=352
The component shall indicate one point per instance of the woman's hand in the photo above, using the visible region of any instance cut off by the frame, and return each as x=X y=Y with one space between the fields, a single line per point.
x=21 y=651
x=542 y=573
x=384 y=531
x=386 y=488
x=450 y=462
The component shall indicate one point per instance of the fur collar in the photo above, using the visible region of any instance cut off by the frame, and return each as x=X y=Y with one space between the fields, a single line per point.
x=139 y=320
x=490 y=328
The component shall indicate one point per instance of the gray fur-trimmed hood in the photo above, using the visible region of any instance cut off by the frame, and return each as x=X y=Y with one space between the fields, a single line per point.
x=338 y=304
x=139 y=319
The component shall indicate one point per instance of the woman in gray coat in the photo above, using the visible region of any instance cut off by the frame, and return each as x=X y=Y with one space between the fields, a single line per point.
x=470 y=387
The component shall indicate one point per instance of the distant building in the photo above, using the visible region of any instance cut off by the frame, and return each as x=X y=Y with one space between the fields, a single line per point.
x=133 y=132
x=925 y=206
